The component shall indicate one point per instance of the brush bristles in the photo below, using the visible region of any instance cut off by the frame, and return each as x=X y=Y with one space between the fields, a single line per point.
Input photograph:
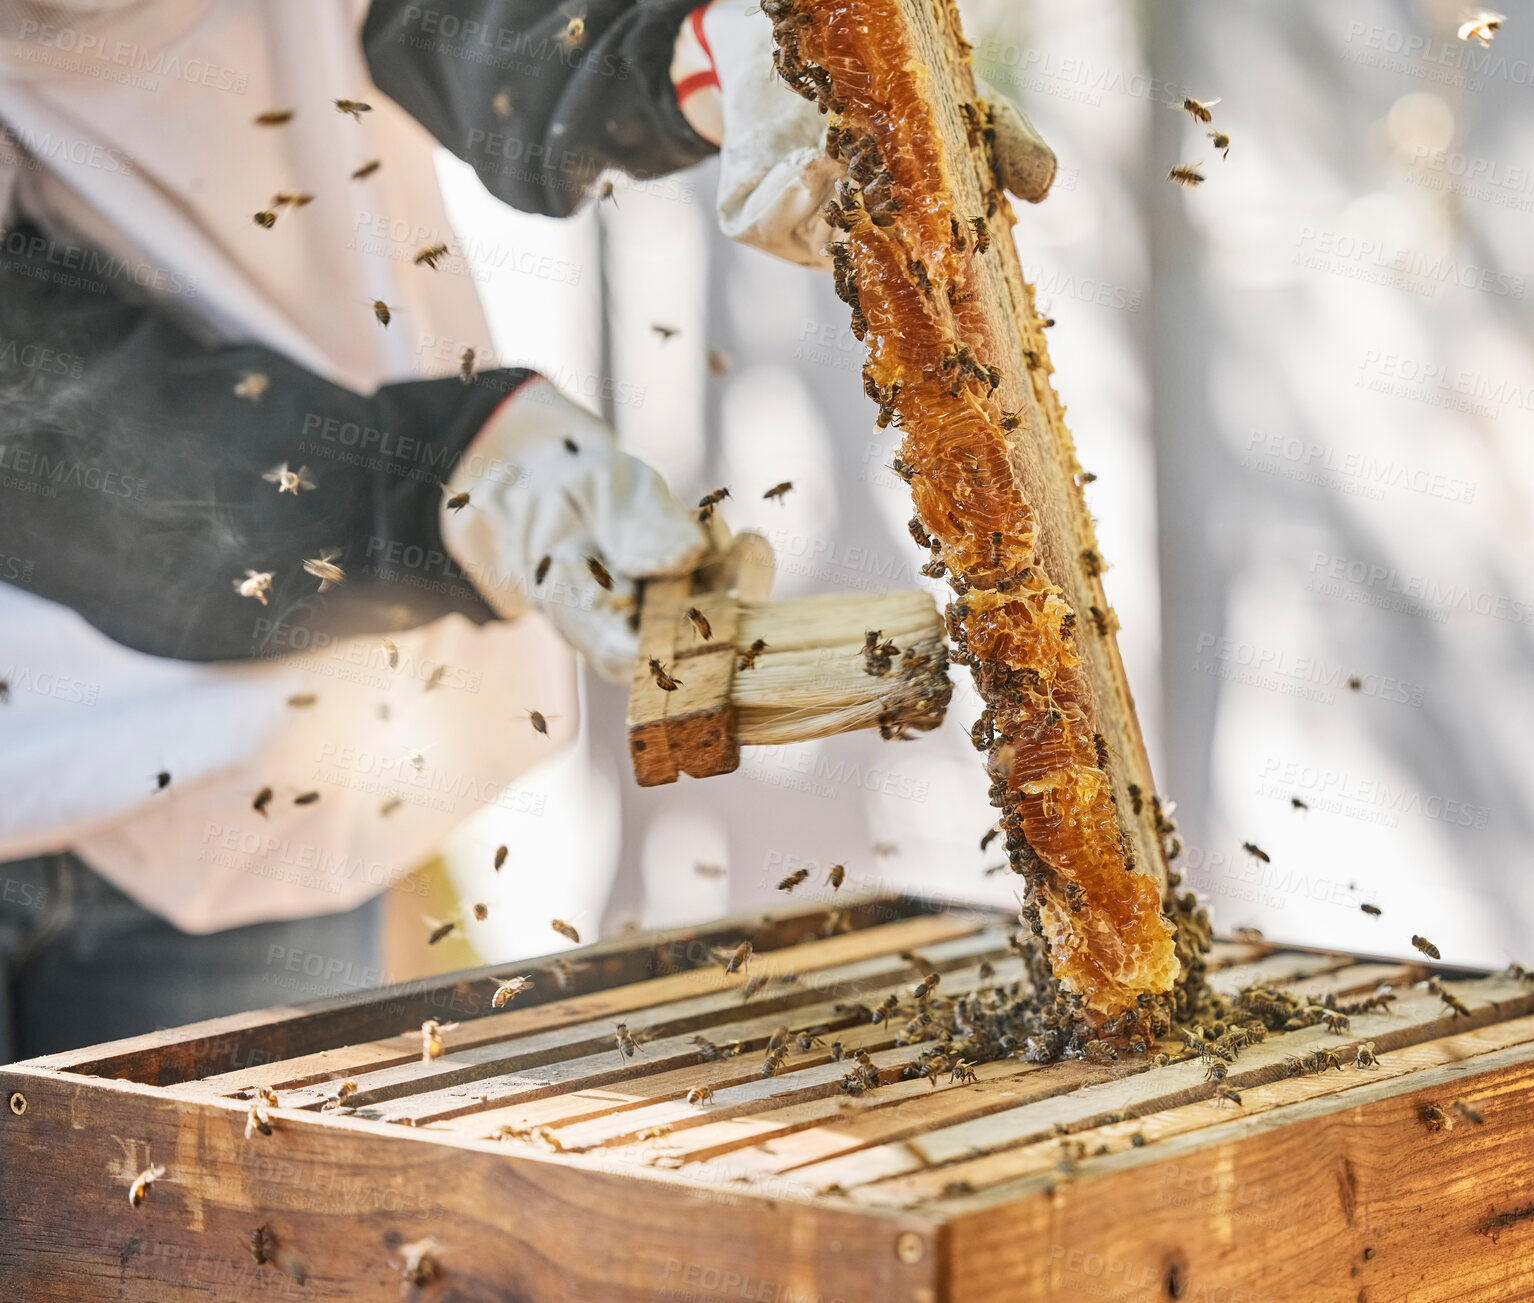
x=814 y=680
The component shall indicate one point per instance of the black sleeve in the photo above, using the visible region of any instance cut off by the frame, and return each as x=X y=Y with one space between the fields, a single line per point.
x=539 y=97
x=131 y=472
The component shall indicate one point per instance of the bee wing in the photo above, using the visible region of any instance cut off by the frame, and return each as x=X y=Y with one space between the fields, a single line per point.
x=306 y=480
x=274 y=475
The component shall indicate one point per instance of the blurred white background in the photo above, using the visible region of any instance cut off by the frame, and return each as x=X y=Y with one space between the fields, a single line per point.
x=1305 y=387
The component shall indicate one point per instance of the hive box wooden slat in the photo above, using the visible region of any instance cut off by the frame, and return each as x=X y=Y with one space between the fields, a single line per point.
x=1033 y=1182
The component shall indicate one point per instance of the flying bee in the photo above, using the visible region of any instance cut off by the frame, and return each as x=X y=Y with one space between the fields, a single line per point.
x=508 y=990
x=481 y=913
x=628 y=1043
x=381 y=311
x=752 y=988
x=291 y=199
x=700 y=623
x=439 y=929
x=262 y=1244
x=1186 y=174
x=466 y=372
x=367 y=169
x=257 y=583
x=252 y=385
x=1426 y=947
x=391 y=653
x=430 y=256
x=139 y=1190
x=421 y=1265
x=1298 y=804
x=747 y=658
x=793 y=879
x=565 y=930
x=1373 y=911
x=274 y=117
x=289 y=481
x=263 y=799
x=739 y=958
x=1482 y=27
x=711 y=872
x=600 y=573
x=926 y=986
x=718 y=362
x=1435 y=1119
x=1468 y=1113
x=663 y=680
x=837 y=876
x=306 y=798
x=1221 y=142
x=431 y=1038
x=354 y=107
x=709 y=501
x=779 y=490
x=1199 y=109
x=665 y=332
x=1256 y=852
x=265 y=219
x=701 y=1095
x=574 y=33
x=344 y=1091
x=325 y=569
x=389 y=807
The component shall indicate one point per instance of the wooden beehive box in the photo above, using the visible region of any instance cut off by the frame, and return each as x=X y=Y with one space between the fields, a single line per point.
x=1030 y=1183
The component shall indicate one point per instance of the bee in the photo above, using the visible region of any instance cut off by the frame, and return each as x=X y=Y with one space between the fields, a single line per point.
x=606 y=194
x=1228 y=1092
x=306 y=798
x=344 y=1091
x=481 y=913
x=963 y=1072
x=1186 y=174
x=1434 y=1118
x=262 y=1244
x=466 y=372
x=1373 y=911
x=501 y=103
x=1298 y=804
x=718 y=362
x=301 y=699
x=274 y=117
x=1336 y=1022
x=907 y=473
x=600 y=573
x=381 y=311
x=265 y=219
x=1355 y=684
x=263 y=799
x=837 y=876
x=752 y=988
x=439 y=929
x=565 y=930
x=663 y=680
x=290 y=481
x=709 y=501
x=354 y=107
x=391 y=653
x=139 y=1190
x=1160 y=1060
x=257 y=583
x=665 y=332
x=257 y=1119
x=982 y=234
x=774 y=1060
x=1468 y=1113
x=700 y=623
x=290 y=199
x=1199 y=110
x=430 y=256
x=1365 y=1056
x=421 y=1265
x=431 y=1038
x=739 y=959
x=711 y=872
x=367 y=169
x=1482 y=27
x=1091 y=562
x=628 y=1043
x=701 y=1095
x=918 y=533
x=390 y=806
x=1449 y=998
x=574 y=33
x=1426 y=947
x=793 y=879
x=779 y=490
x=1256 y=852
x=5 y=690
x=325 y=569
x=252 y=385
x=1221 y=142
x=747 y=658
x=508 y=990
x=926 y=986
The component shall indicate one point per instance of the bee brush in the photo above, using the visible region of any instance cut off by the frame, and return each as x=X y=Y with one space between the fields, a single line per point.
x=721 y=666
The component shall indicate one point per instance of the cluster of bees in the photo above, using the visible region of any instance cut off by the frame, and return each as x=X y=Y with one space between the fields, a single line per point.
x=1188 y=174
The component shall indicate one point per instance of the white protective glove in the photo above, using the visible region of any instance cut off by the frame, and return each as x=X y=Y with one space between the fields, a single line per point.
x=774 y=175
x=531 y=497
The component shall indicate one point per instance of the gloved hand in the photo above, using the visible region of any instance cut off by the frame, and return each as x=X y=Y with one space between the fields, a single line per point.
x=774 y=175
x=549 y=493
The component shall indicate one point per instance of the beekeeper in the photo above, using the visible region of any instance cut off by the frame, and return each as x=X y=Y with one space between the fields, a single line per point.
x=262 y=501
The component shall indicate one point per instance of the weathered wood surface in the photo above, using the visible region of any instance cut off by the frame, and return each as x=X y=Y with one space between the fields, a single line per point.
x=549 y=1166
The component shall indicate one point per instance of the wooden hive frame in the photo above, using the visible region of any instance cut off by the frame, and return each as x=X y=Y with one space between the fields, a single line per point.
x=1031 y=1182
